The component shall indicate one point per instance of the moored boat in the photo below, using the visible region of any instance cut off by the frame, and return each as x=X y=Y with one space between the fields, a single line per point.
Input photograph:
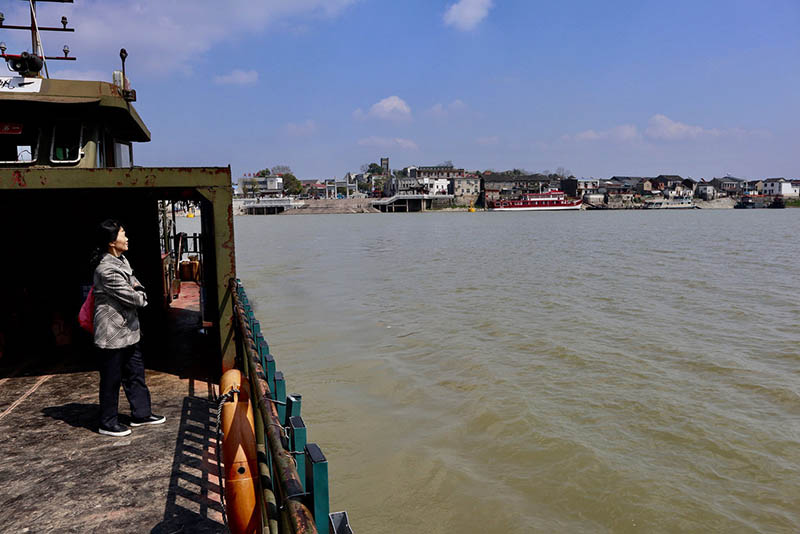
x=552 y=200
x=669 y=203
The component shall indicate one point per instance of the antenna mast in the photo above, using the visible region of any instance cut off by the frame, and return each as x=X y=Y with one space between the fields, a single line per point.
x=36 y=40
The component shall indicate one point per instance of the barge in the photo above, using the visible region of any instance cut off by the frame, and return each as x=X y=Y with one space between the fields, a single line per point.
x=67 y=163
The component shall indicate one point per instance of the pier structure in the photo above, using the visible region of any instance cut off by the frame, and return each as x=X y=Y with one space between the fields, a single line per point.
x=409 y=203
x=270 y=206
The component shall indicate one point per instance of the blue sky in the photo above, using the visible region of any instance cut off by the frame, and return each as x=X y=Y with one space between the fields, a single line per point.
x=697 y=88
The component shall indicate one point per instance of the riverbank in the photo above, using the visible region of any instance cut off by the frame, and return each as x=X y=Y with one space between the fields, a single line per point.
x=364 y=205
x=333 y=205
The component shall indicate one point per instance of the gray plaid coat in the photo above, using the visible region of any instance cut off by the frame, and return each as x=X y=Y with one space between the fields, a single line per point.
x=116 y=321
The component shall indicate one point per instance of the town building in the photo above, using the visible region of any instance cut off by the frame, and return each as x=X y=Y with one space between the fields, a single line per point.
x=465 y=190
x=705 y=191
x=578 y=188
x=780 y=186
x=728 y=185
x=438 y=171
x=497 y=186
x=261 y=186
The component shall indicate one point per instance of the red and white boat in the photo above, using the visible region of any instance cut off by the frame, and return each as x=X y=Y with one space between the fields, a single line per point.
x=551 y=200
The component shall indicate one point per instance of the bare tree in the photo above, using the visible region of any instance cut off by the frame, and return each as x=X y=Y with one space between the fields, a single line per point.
x=562 y=173
x=248 y=186
x=281 y=169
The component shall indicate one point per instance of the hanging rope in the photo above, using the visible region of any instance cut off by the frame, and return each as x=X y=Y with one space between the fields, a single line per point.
x=222 y=400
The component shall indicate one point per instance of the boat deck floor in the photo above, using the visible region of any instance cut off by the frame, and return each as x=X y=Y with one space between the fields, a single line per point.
x=58 y=474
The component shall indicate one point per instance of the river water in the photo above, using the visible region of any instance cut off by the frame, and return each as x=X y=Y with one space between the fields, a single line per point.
x=617 y=371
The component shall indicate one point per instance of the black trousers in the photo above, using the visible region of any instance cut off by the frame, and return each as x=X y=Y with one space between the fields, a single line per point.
x=122 y=366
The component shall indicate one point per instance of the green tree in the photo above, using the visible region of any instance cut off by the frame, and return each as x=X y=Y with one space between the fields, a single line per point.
x=263 y=172
x=291 y=185
x=374 y=168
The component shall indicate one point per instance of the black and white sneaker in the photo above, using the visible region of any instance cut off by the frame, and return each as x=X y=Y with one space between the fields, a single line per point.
x=152 y=419
x=116 y=431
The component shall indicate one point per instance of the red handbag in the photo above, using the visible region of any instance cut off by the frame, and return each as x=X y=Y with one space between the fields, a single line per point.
x=86 y=315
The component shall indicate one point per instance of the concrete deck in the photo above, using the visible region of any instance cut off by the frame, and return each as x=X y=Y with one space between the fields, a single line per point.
x=58 y=474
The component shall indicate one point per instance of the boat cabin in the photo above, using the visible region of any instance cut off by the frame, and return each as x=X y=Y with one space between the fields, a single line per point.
x=66 y=164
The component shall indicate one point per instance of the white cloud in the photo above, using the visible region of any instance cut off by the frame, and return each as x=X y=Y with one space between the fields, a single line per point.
x=391 y=108
x=664 y=128
x=623 y=132
x=304 y=128
x=491 y=140
x=385 y=142
x=465 y=15
x=162 y=37
x=661 y=128
x=443 y=110
x=237 y=77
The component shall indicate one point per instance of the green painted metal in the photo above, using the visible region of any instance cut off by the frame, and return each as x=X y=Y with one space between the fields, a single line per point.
x=280 y=395
x=102 y=100
x=292 y=511
x=317 y=486
x=211 y=183
x=269 y=373
x=292 y=407
x=298 y=435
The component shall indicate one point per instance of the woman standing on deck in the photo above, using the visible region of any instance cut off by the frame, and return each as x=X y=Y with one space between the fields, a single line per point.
x=117 y=297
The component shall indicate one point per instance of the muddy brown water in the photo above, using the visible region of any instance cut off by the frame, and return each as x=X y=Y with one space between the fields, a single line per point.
x=542 y=372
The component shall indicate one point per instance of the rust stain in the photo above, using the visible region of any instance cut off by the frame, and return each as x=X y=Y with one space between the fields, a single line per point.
x=19 y=180
x=43 y=179
x=150 y=180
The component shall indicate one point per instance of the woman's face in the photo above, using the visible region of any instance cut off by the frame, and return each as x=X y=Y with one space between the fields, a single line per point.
x=120 y=245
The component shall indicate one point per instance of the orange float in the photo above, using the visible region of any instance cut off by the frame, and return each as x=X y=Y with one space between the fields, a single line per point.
x=239 y=456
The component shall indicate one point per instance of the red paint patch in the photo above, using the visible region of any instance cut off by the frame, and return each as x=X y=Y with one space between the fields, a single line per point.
x=19 y=180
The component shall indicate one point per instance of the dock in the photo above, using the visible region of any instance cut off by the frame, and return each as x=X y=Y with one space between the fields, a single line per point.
x=409 y=203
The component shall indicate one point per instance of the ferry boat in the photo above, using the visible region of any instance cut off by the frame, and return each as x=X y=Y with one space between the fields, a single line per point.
x=549 y=201
x=66 y=164
x=674 y=203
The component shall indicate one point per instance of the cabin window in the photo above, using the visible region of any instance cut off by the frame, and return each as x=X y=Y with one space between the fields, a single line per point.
x=18 y=144
x=67 y=143
x=122 y=155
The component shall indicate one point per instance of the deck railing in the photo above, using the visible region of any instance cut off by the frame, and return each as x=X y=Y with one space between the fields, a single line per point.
x=293 y=474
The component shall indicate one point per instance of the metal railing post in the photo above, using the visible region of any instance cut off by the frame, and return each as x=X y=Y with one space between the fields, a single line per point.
x=297 y=443
x=317 y=486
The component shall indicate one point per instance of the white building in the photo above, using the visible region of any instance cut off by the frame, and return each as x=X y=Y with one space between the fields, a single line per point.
x=435 y=186
x=705 y=190
x=780 y=186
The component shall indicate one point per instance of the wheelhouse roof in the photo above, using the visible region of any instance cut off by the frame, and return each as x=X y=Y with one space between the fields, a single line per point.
x=102 y=99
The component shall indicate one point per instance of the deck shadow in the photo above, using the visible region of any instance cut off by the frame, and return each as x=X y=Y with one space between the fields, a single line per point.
x=75 y=414
x=193 y=500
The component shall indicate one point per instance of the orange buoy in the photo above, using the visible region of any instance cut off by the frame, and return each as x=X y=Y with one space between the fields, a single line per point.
x=239 y=457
